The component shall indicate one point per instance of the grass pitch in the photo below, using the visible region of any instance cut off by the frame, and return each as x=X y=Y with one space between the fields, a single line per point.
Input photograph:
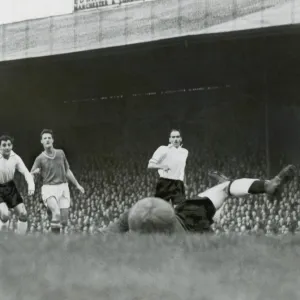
x=149 y=267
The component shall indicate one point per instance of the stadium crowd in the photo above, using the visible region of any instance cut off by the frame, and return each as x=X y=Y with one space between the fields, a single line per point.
x=115 y=183
x=110 y=162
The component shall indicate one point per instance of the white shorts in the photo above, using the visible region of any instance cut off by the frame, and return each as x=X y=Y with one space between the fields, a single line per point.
x=60 y=192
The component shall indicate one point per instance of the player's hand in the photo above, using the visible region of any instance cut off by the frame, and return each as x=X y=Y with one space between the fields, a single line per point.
x=36 y=171
x=166 y=168
x=81 y=189
x=30 y=192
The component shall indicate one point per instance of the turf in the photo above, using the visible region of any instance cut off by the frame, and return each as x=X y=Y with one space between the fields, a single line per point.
x=149 y=267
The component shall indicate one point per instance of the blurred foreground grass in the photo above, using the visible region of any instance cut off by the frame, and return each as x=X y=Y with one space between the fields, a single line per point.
x=148 y=267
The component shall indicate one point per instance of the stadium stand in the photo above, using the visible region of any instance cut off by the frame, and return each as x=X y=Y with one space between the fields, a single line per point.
x=118 y=183
x=115 y=176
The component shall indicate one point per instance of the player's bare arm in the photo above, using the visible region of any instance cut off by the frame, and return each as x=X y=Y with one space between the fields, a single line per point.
x=35 y=170
x=155 y=166
x=71 y=178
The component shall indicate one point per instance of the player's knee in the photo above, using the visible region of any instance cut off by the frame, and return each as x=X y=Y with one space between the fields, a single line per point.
x=55 y=213
x=4 y=213
x=56 y=216
x=4 y=217
x=23 y=217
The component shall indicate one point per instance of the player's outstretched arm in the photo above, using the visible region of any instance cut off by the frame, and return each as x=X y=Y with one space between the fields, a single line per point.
x=72 y=179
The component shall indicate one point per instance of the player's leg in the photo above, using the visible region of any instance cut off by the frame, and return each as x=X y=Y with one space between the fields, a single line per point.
x=64 y=215
x=50 y=196
x=49 y=214
x=170 y=190
x=53 y=206
x=245 y=186
x=237 y=188
x=217 y=194
x=4 y=216
x=17 y=204
x=21 y=213
x=64 y=205
x=162 y=190
x=226 y=187
x=178 y=192
x=15 y=201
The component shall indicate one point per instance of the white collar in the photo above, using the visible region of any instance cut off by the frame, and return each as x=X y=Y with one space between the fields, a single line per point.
x=51 y=157
x=171 y=146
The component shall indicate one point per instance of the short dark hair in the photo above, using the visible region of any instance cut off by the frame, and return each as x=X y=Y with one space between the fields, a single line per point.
x=47 y=131
x=5 y=138
x=174 y=129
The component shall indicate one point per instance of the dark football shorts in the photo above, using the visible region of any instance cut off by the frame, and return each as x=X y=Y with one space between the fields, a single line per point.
x=170 y=190
x=10 y=195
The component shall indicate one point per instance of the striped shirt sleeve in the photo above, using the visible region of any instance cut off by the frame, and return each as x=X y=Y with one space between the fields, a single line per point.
x=158 y=155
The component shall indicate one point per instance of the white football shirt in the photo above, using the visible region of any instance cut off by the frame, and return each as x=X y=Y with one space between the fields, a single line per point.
x=175 y=158
x=10 y=165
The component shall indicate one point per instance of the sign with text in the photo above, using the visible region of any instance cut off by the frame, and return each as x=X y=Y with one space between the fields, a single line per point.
x=88 y=4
